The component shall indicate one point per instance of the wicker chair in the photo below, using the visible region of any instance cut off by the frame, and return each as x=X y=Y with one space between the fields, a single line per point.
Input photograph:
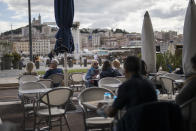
x=29 y=100
x=27 y=78
x=122 y=79
x=173 y=76
x=168 y=84
x=57 y=79
x=77 y=81
x=47 y=82
x=108 y=80
x=56 y=101
x=92 y=94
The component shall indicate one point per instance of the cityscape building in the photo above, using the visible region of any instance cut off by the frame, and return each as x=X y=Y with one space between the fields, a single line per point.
x=86 y=38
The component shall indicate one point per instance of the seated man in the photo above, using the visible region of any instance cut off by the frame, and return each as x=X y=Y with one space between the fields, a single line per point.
x=53 y=69
x=135 y=91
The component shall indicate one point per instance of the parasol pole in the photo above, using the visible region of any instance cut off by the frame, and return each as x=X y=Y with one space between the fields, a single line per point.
x=65 y=70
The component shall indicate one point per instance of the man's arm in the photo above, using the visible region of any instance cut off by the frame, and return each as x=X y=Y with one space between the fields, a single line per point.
x=119 y=102
x=46 y=74
x=110 y=111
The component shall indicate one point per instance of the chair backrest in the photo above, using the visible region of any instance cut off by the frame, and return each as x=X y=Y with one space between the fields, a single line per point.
x=46 y=82
x=57 y=96
x=9 y=126
x=77 y=77
x=84 y=77
x=155 y=116
x=108 y=80
x=167 y=83
x=93 y=94
x=28 y=78
x=122 y=79
x=173 y=76
x=31 y=86
x=158 y=75
x=57 y=79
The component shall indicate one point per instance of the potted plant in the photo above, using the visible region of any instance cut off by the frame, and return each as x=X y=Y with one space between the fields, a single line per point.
x=16 y=59
x=7 y=61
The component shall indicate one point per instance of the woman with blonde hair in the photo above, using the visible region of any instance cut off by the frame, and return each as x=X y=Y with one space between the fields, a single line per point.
x=30 y=67
x=116 y=65
x=92 y=74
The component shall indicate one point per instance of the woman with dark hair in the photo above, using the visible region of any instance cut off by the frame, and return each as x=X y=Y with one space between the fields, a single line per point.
x=107 y=71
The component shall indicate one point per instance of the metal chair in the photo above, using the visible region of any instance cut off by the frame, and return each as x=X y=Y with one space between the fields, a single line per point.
x=189 y=114
x=92 y=94
x=108 y=80
x=57 y=79
x=167 y=84
x=29 y=100
x=77 y=81
x=122 y=79
x=28 y=78
x=47 y=82
x=56 y=101
x=173 y=76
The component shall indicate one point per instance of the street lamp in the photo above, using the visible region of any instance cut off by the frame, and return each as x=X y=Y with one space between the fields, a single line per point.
x=30 y=33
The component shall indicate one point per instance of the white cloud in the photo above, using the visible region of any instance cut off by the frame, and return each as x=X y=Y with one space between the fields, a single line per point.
x=126 y=14
x=6 y=25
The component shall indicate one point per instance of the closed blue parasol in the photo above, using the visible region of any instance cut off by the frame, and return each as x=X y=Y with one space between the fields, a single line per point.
x=64 y=14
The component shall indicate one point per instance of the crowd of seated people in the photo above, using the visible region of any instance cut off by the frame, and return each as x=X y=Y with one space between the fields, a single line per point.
x=108 y=70
x=94 y=73
x=136 y=90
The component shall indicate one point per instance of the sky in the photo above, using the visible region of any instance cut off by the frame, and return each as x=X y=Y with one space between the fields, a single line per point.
x=125 y=14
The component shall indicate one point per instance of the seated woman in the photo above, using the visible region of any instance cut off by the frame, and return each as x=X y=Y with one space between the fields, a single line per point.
x=189 y=89
x=92 y=73
x=107 y=71
x=116 y=65
x=30 y=67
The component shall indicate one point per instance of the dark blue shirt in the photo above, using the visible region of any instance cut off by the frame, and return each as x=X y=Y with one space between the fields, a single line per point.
x=52 y=71
x=109 y=73
x=135 y=91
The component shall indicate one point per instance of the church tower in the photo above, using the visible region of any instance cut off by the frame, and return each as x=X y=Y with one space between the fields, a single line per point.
x=39 y=19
